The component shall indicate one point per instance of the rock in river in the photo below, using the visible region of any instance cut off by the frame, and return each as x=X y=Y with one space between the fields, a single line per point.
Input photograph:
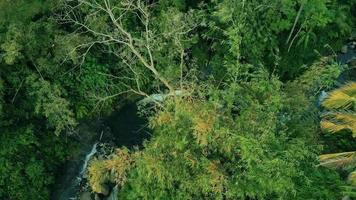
x=85 y=196
x=344 y=49
x=114 y=193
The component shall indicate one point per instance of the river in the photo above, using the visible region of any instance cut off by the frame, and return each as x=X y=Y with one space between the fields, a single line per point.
x=124 y=127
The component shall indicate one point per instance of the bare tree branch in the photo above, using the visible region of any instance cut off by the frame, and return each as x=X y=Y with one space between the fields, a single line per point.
x=120 y=40
x=122 y=37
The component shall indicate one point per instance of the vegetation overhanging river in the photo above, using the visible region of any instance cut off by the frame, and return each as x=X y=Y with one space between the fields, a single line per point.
x=124 y=127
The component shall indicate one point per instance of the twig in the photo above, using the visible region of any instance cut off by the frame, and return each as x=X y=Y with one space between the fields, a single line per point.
x=17 y=91
x=295 y=22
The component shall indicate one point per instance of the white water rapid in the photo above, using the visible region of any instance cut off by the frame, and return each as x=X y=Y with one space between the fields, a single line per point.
x=86 y=161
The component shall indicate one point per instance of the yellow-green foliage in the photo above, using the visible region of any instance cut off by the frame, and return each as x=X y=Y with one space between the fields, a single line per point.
x=241 y=142
x=341 y=116
x=342 y=98
x=202 y=118
x=338 y=160
x=118 y=165
x=341 y=103
x=68 y=61
x=113 y=170
x=336 y=122
x=97 y=175
x=352 y=178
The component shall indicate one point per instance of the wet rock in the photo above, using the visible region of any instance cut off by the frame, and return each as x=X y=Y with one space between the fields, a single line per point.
x=105 y=190
x=352 y=62
x=353 y=45
x=114 y=193
x=85 y=196
x=322 y=97
x=344 y=49
x=353 y=36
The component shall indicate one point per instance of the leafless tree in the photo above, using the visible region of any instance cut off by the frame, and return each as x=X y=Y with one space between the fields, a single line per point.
x=131 y=48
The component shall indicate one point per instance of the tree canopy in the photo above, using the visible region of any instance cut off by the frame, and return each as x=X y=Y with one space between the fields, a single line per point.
x=240 y=119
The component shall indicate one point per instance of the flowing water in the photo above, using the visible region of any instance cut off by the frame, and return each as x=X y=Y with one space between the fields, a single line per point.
x=87 y=159
x=126 y=128
x=122 y=128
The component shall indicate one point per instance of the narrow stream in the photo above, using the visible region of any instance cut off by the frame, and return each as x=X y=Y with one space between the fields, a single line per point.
x=86 y=161
x=122 y=128
x=126 y=128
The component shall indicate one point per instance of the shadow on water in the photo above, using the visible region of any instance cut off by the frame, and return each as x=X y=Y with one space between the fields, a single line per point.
x=67 y=177
x=127 y=127
x=123 y=127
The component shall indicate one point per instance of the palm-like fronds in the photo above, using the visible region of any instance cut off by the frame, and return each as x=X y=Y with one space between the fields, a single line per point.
x=338 y=160
x=336 y=121
x=341 y=115
x=342 y=98
x=341 y=103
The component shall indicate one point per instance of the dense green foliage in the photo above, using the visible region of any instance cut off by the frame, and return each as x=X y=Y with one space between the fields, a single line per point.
x=341 y=118
x=250 y=139
x=246 y=122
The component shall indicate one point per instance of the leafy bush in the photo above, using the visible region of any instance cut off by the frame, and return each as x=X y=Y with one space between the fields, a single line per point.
x=248 y=140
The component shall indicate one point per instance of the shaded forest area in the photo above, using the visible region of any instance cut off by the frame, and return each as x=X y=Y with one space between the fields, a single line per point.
x=246 y=99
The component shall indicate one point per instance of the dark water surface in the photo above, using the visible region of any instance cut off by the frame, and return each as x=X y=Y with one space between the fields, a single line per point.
x=127 y=127
x=348 y=58
x=123 y=127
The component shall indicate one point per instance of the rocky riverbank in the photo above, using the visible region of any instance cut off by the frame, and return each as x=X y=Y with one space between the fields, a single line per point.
x=125 y=128
x=98 y=139
x=347 y=56
x=102 y=151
